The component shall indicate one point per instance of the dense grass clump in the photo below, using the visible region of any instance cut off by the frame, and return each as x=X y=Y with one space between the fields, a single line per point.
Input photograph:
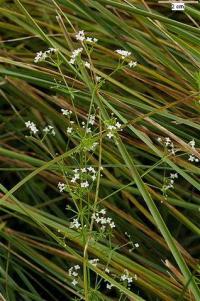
x=99 y=151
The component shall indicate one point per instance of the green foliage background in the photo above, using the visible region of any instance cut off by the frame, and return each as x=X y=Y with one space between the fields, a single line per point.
x=158 y=98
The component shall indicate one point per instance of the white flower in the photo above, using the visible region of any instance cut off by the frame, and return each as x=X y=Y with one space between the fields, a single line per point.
x=98 y=78
x=69 y=130
x=118 y=125
x=167 y=141
x=126 y=277
x=123 y=53
x=173 y=175
x=132 y=64
x=75 y=274
x=77 y=176
x=49 y=130
x=91 y=40
x=77 y=267
x=66 y=112
x=80 y=36
x=109 y=286
x=70 y=271
x=112 y=225
x=87 y=64
x=41 y=56
x=75 y=224
x=73 y=271
x=123 y=277
x=94 y=262
x=192 y=143
x=74 y=282
x=109 y=135
x=90 y=168
x=88 y=39
x=93 y=177
x=61 y=186
x=88 y=130
x=102 y=211
x=111 y=127
x=192 y=158
x=73 y=180
x=83 y=170
x=137 y=245
x=99 y=218
x=74 y=55
x=107 y=270
x=84 y=184
x=72 y=61
x=31 y=126
x=91 y=119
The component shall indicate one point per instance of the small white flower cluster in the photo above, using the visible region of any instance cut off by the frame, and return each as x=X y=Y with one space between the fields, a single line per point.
x=49 y=130
x=126 y=277
x=132 y=64
x=41 y=56
x=75 y=224
x=66 y=112
x=100 y=218
x=192 y=158
x=80 y=36
x=31 y=126
x=170 y=181
x=73 y=273
x=112 y=128
x=61 y=186
x=82 y=175
x=124 y=54
x=91 y=40
x=94 y=261
x=85 y=184
x=168 y=144
x=91 y=121
x=74 y=55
